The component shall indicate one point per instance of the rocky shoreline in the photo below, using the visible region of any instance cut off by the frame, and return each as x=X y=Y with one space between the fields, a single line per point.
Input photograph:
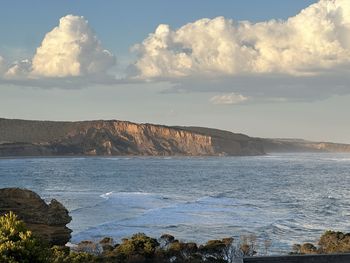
x=22 y=209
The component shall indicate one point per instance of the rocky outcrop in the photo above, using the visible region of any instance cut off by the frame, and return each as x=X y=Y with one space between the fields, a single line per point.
x=45 y=138
x=47 y=221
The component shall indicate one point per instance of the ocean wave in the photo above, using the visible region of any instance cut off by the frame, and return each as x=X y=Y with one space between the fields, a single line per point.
x=162 y=212
x=118 y=195
x=132 y=200
x=337 y=159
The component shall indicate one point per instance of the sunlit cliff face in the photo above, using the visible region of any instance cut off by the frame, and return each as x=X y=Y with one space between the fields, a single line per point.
x=148 y=136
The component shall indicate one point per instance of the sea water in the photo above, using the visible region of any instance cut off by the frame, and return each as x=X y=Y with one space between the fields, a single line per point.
x=286 y=198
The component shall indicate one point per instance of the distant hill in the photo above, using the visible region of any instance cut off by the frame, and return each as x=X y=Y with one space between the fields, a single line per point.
x=297 y=145
x=113 y=137
x=225 y=140
x=49 y=138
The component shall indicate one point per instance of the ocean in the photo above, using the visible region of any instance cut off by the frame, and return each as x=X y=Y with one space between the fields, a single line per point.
x=286 y=198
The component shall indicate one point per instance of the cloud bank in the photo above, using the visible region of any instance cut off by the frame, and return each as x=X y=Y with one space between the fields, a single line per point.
x=314 y=41
x=306 y=57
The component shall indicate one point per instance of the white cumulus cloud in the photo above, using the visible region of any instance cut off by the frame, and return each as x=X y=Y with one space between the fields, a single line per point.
x=19 y=69
x=314 y=41
x=71 y=49
x=228 y=99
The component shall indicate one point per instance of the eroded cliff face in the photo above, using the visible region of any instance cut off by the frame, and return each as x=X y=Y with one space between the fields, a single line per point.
x=228 y=143
x=47 y=221
x=125 y=138
x=48 y=138
x=44 y=138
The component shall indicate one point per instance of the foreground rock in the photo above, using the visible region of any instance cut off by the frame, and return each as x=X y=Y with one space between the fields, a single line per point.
x=47 y=221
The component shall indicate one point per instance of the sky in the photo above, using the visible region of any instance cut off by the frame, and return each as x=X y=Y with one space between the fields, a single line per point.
x=277 y=69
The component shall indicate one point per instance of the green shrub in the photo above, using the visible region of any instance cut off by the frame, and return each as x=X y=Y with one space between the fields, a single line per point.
x=138 y=248
x=329 y=243
x=17 y=244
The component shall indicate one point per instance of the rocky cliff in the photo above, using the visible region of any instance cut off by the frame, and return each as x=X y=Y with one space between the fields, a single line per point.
x=225 y=141
x=229 y=143
x=48 y=138
x=36 y=138
x=47 y=221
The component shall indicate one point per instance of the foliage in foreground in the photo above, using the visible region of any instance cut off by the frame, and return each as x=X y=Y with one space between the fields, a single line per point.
x=141 y=248
x=18 y=245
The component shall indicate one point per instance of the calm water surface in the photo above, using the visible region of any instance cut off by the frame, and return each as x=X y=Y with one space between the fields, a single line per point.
x=287 y=198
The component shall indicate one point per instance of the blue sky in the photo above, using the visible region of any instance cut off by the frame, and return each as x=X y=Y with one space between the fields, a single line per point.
x=265 y=94
x=120 y=24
